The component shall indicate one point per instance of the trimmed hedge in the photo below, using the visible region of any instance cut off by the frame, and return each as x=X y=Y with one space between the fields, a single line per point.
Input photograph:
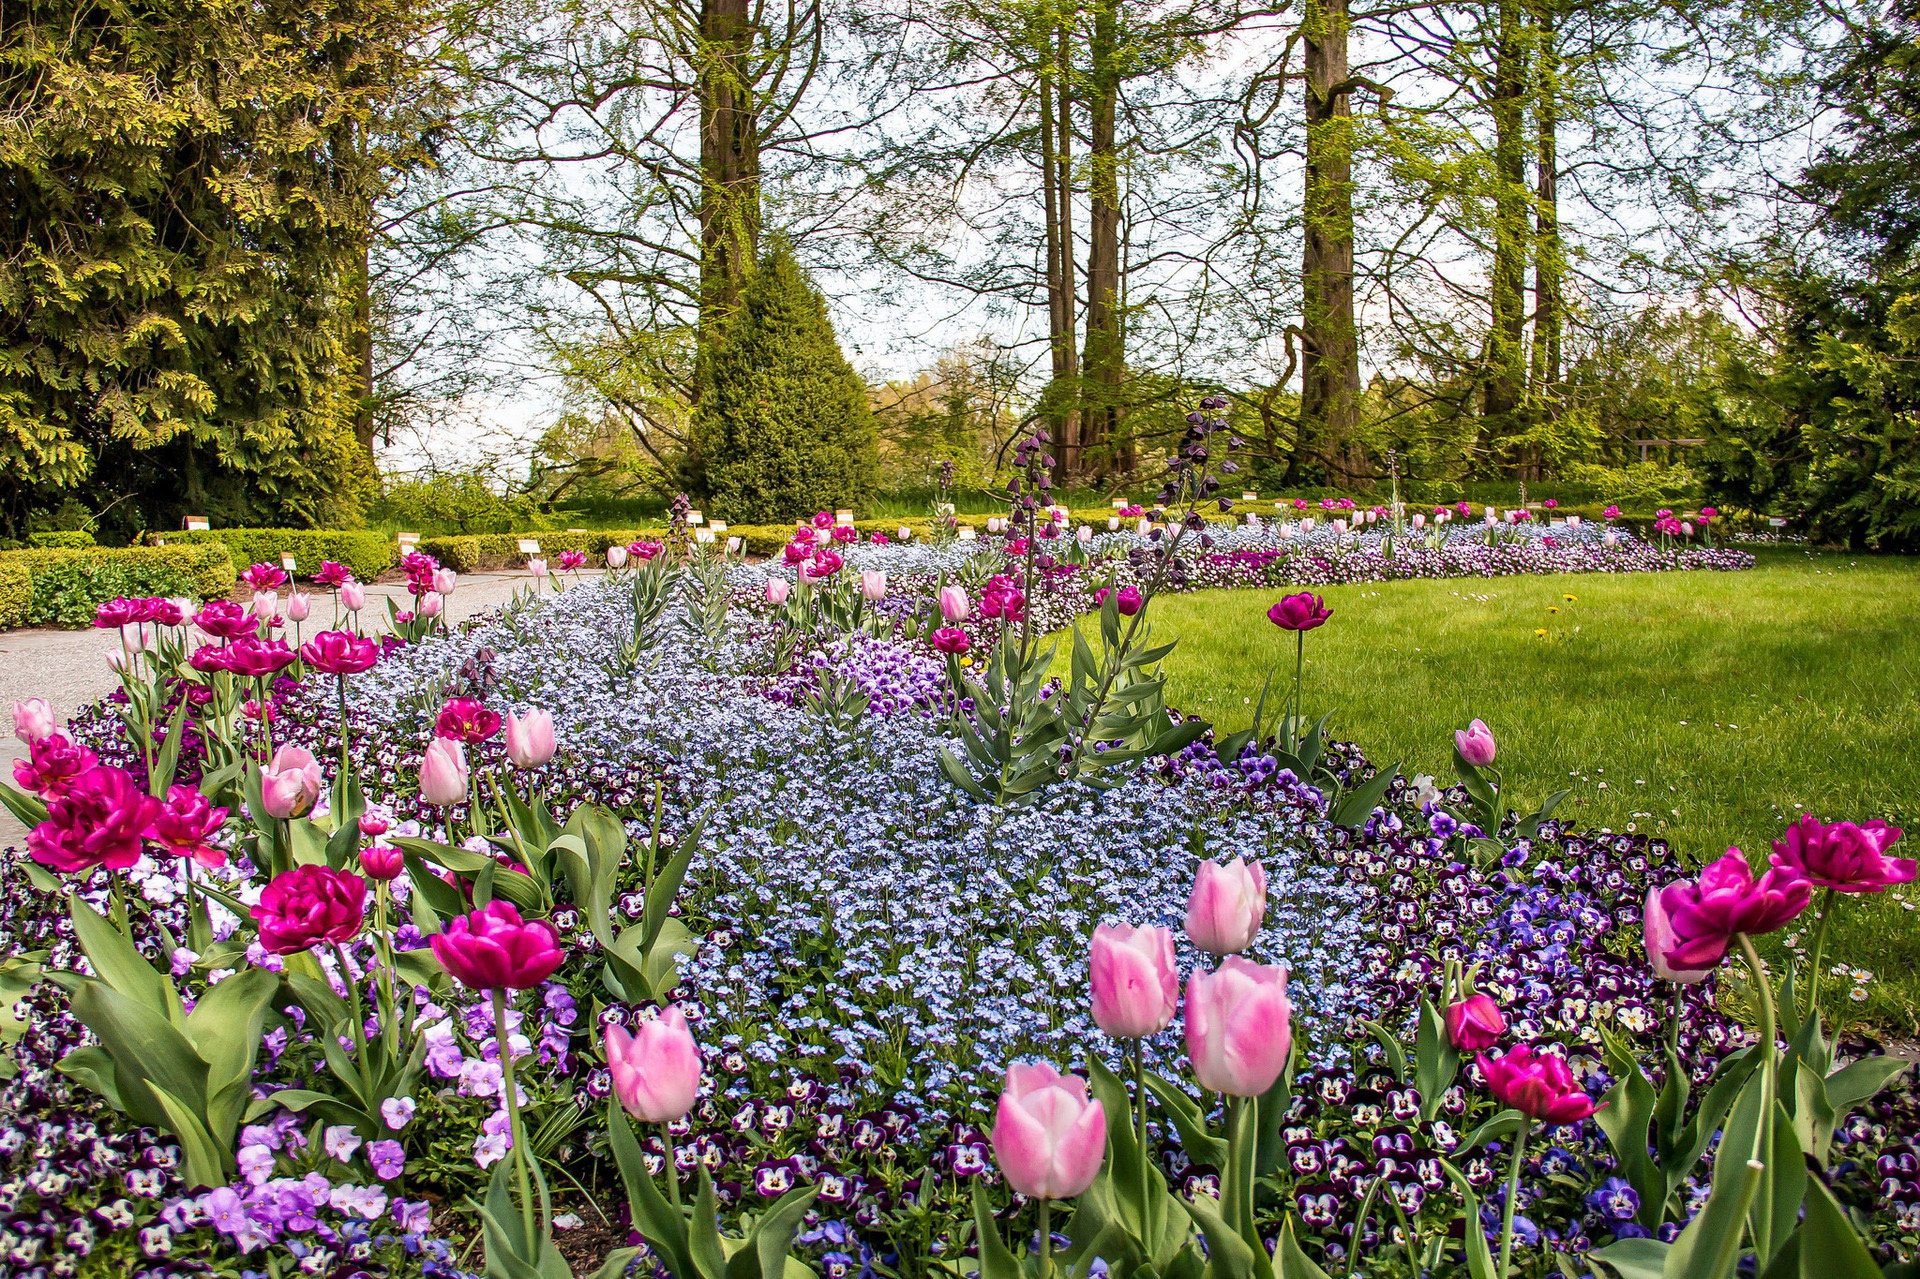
x=66 y=585
x=16 y=594
x=367 y=553
x=60 y=538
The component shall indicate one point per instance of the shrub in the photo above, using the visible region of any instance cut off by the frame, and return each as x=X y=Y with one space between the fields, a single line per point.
x=16 y=593
x=464 y=503
x=366 y=552
x=68 y=584
x=783 y=424
x=60 y=538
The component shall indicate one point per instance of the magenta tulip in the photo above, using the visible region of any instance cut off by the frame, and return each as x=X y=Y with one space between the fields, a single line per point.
x=1135 y=983
x=951 y=640
x=1844 y=856
x=530 y=738
x=52 y=765
x=307 y=905
x=98 y=819
x=494 y=949
x=443 y=773
x=183 y=824
x=1536 y=1085
x=1239 y=1026
x=33 y=720
x=1660 y=939
x=257 y=658
x=290 y=783
x=382 y=862
x=954 y=606
x=465 y=720
x=1227 y=906
x=340 y=653
x=223 y=619
x=656 y=1069
x=1048 y=1136
x=1475 y=744
x=1302 y=612
x=1707 y=913
x=1474 y=1023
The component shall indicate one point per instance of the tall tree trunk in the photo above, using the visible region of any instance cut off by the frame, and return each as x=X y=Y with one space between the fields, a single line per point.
x=1548 y=270
x=1059 y=400
x=1330 y=340
x=729 y=161
x=361 y=336
x=1512 y=234
x=1105 y=361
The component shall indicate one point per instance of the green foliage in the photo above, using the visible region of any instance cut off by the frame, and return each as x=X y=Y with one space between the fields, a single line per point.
x=16 y=593
x=366 y=552
x=67 y=585
x=783 y=423
x=465 y=502
x=173 y=300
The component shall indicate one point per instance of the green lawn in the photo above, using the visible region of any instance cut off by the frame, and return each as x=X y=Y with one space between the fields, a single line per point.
x=1707 y=707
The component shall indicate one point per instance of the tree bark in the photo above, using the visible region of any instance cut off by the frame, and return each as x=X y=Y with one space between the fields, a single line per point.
x=729 y=161
x=1548 y=270
x=1105 y=360
x=1058 y=401
x=1506 y=335
x=1330 y=341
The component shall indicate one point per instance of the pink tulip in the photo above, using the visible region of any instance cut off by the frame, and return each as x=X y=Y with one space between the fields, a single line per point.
x=183 y=824
x=266 y=605
x=1135 y=983
x=616 y=557
x=530 y=738
x=98 y=819
x=443 y=773
x=778 y=588
x=954 y=607
x=537 y=567
x=431 y=604
x=1239 y=1026
x=1660 y=939
x=33 y=720
x=1475 y=744
x=444 y=580
x=1843 y=856
x=1048 y=1136
x=353 y=596
x=873 y=586
x=307 y=905
x=951 y=640
x=656 y=1069
x=1474 y=1023
x=1707 y=913
x=299 y=606
x=1227 y=906
x=1537 y=1085
x=290 y=783
x=494 y=949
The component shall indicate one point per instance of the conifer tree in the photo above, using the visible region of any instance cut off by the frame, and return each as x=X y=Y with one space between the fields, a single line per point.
x=784 y=426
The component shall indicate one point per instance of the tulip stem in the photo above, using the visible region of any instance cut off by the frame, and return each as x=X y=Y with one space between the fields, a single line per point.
x=1769 y=1045
x=1299 y=673
x=1140 y=1105
x=341 y=678
x=1513 y=1197
x=1046 y=1238
x=509 y=1095
x=1819 y=953
x=673 y=1168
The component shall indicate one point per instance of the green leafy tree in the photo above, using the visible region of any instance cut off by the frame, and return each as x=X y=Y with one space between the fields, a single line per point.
x=189 y=194
x=784 y=425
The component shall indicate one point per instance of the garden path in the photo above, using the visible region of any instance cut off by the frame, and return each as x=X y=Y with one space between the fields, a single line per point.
x=69 y=670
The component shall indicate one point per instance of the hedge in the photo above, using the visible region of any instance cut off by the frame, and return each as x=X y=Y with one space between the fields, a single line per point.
x=66 y=585
x=16 y=593
x=60 y=538
x=367 y=553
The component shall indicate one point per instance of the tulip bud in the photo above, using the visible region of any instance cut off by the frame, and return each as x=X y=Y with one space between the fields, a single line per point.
x=444 y=580
x=266 y=605
x=353 y=596
x=290 y=783
x=655 y=1069
x=33 y=720
x=537 y=567
x=299 y=606
x=1474 y=1023
x=383 y=862
x=443 y=773
x=873 y=586
x=530 y=738
x=1239 y=1027
x=778 y=588
x=616 y=557
x=1227 y=906
x=1475 y=744
x=1048 y=1135
x=1134 y=981
x=372 y=827
x=431 y=604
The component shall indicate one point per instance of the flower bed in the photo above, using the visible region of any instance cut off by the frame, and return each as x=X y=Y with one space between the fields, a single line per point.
x=734 y=807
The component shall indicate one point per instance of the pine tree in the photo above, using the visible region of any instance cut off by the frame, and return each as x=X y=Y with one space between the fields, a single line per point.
x=784 y=426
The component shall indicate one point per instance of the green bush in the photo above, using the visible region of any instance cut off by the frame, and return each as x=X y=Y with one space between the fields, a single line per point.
x=67 y=538
x=366 y=552
x=783 y=423
x=68 y=584
x=16 y=594
x=465 y=503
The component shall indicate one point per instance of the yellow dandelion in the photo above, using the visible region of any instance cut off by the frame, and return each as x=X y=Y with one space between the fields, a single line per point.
x=1553 y=608
x=1542 y=632
x=1569 y=597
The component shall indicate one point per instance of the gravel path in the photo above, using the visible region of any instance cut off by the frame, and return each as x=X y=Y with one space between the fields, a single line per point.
x=69 y=668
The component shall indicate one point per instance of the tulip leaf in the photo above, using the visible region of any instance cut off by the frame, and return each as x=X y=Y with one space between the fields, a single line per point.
x=665 y=888
x=206 y=1162
x=703 y=1234
x=116 y=963
x=996 y=1259
x=1858 y=1081
x=1624 y=1117
x=1201 y=1146
x=1436 y=1061
x=1358 y=804
x=29 y=811
x=224 y=1028
x=765 y=1256
x=147 y=1050
x=1228 y=1255
x=1291 y=1262
x=1391 y=1045
x=663 y=1226
x=1632 y=1258
x=1473 y=1237
x=1830 y=1248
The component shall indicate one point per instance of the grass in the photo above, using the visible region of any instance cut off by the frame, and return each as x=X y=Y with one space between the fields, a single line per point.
x=1708 y=708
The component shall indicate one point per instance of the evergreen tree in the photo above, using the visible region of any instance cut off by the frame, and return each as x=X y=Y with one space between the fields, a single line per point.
x=187 y=203
x=784 y=426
